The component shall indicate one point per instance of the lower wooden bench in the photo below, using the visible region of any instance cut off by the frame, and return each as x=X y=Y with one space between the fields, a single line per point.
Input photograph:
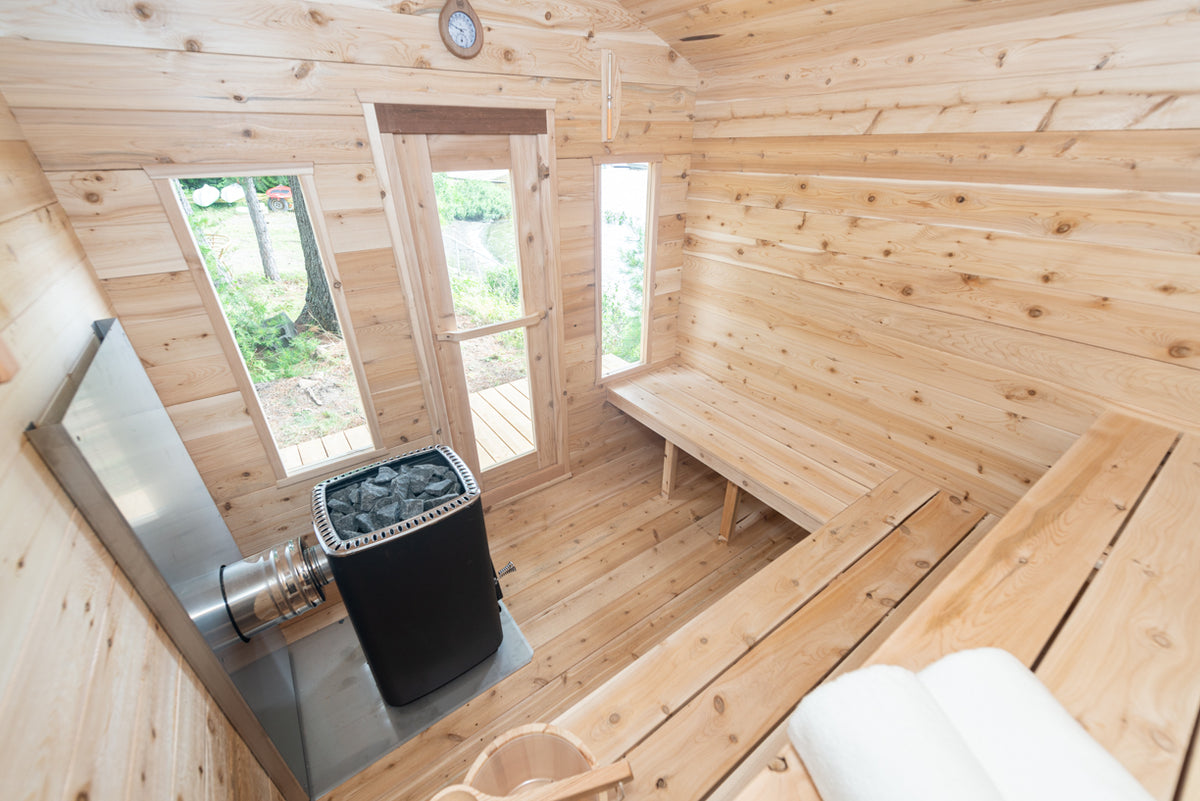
x=687 y=711
x=804 y=474
x=1093 y=580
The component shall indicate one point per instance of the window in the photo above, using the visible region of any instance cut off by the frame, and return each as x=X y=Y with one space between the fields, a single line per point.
x=261 y=255
x=624 y=240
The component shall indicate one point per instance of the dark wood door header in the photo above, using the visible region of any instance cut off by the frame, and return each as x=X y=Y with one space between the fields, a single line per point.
x=406 y=119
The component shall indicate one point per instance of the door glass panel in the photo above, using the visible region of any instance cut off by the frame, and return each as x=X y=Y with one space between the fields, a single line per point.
x=497 y=368
x=475 y=209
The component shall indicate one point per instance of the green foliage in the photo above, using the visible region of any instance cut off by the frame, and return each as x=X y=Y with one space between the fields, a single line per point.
x=269 y=356
x=622 y=301
x=491 y=298
x=262 y=183
x=472 y=200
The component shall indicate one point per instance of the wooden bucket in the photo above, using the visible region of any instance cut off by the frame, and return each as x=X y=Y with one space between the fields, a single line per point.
x=529 y=756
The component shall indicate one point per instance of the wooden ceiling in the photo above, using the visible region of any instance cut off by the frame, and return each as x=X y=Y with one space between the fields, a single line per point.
x=733 y=35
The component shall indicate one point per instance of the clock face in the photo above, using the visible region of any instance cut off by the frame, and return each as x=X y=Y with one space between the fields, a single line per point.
x=461 y=29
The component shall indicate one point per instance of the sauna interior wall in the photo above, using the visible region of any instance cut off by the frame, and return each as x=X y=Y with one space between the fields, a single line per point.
x=951 y=231
x=96 y=700
x=100 y=93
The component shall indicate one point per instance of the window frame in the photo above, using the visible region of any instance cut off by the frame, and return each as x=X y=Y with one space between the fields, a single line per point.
x=653 y=189
x=161 y=177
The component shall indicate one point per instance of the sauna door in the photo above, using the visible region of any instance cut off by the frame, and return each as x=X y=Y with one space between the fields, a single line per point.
x=477 y=207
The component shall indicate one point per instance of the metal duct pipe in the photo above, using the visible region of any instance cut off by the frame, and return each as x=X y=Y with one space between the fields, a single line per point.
x=274 y=585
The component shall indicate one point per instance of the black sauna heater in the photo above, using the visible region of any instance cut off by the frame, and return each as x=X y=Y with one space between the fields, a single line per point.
x=406 y=544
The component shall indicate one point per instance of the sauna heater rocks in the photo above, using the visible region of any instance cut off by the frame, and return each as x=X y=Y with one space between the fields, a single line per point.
x=406 y=544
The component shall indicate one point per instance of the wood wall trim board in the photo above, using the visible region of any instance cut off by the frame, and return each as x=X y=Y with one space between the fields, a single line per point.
x=1112 y=272
x=1134 y=34
x=92 y=139
x=351 y=33
x=1148 y=220
x=1152 y=332
x=1152 y=161
x=907 y=109
x=749 y=27
x=396 y=118
x=154 y=80
x=1145 y=383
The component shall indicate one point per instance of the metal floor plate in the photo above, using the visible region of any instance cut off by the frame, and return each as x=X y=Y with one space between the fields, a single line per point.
x=345 y=724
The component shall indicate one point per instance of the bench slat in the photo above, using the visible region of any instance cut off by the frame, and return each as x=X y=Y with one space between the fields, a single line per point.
x=681 y=760
x=1012 y=590
x=1127 y=662
x=635 y=701
x=828 y=451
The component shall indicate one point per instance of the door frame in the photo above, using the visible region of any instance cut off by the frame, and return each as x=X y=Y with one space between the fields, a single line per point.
x=420 y=116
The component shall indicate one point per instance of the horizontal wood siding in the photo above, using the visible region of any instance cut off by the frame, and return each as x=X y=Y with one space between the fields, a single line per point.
x=101 y=95
x=97 y=700
x=954 y=243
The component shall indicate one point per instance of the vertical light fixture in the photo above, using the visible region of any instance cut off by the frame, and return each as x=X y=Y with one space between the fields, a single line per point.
x=610 y=96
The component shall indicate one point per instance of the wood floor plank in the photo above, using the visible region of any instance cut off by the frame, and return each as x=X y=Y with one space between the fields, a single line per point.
x=1127 y=662
x=609 y=521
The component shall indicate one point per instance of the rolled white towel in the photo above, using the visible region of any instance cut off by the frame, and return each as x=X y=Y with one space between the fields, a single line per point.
x=974 y=726
x=1032 y=748
x=877 y=734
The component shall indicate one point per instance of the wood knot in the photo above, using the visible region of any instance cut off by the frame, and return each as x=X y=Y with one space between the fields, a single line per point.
x=317 y=17
x=777 y=765
x=1161 y=639
x=302 y=70
x=1035 y=311
x=92 y=197
x=192 y=46
x=1063 y=228
x=143 y=11
x=870 y=198
x=719 y=704
x=509 y=55
x=907 y=291
x=248 y=133
x=661 y=783
x=1180 y=350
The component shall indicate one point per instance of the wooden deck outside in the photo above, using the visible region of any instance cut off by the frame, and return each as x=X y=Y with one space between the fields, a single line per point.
x=503 y=426
x=501 y=416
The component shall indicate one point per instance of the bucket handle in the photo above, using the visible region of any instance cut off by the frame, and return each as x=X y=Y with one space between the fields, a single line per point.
x=568 y=789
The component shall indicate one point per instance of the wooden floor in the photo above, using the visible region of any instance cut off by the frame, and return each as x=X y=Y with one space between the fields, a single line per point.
x=605 y=570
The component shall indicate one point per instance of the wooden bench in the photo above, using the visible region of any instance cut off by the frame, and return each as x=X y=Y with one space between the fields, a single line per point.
x=804 y=474
x=1093 y=580
x=687 y=711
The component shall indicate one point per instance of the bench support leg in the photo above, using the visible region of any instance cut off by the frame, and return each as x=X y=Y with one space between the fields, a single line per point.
x=729 y=512
x=670 y=469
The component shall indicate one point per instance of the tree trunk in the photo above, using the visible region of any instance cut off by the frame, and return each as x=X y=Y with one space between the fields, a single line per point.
x=259 y=220
x=318 y=303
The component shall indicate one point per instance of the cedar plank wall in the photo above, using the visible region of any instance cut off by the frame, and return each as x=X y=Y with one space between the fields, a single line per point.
x=962 y=227
x=96 y=700
x=101 y=91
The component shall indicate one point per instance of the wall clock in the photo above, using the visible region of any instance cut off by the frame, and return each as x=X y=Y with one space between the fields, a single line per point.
x=460 y=28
